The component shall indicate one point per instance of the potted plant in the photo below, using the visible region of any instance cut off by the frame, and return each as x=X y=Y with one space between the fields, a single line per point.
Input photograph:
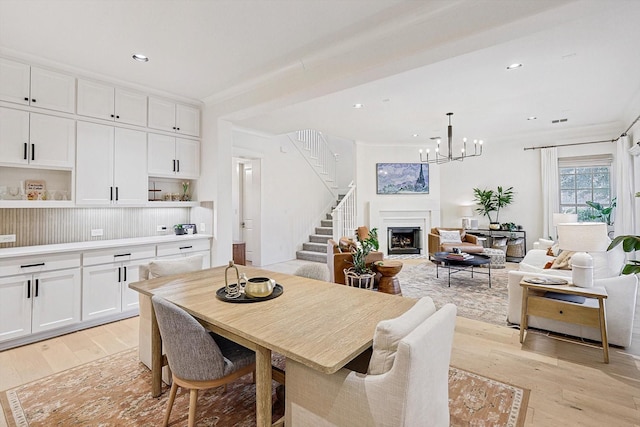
x=179 y=229
x=603 y=213
x=492 y=201
x=360 y=275
x=629 y=244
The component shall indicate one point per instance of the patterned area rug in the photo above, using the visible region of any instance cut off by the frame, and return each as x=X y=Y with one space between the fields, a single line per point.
x=473 y=297
x=115 y=391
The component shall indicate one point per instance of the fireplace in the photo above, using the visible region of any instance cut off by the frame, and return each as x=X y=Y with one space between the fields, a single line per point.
x=403 y=240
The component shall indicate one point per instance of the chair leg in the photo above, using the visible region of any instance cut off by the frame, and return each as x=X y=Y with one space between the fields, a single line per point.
x=193 y=403
x=172 y=396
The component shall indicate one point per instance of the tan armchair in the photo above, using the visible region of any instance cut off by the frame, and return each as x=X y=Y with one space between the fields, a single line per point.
x=337 y=261
x=468 y=242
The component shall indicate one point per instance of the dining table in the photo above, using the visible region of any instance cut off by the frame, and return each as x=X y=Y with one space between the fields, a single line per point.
x=319 y=324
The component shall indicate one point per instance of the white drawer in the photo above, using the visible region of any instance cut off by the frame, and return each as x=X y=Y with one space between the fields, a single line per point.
x=36 y=264
x=128 y=253
x=184 y=247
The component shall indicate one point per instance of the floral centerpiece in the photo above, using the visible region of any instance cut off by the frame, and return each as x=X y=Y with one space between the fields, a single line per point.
x=360 y=275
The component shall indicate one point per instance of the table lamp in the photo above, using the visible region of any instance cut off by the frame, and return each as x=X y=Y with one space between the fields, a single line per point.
x=466 y=212
x=559 y=218
x=583 y=237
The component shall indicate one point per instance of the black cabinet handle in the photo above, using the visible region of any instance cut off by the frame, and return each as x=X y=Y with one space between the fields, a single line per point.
x=111 y=194
x=185 y=247
x=28 y=288
x=33 y=100
x=117 y=194
x=26 y=99
x=125 y=273
x=178 y=128
x=178 y=161
x=119 y=274
x=111 y=115
x=40 y=264
x=25 y=150
x=174 y=165
x=117 y=117
x=37 y=283
x=33 y=151
x=174 y=128
x=118 y=255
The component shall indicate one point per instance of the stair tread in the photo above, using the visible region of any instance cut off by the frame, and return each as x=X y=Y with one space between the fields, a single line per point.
x=311 y=256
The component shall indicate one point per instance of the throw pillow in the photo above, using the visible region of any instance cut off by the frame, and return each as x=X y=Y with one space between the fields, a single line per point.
x=563 y=262
x=167 y=267
x=389 y=333
x=449 y=236
x=548 y=265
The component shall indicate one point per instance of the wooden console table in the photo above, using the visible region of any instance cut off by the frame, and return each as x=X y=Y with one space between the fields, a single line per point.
x=590 y=313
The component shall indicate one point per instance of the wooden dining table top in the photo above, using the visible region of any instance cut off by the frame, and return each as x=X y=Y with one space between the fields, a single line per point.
x=319 y=324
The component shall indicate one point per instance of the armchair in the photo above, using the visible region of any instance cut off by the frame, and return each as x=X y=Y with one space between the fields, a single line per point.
x=411 y=391
x=337 y=261
x=443 y=242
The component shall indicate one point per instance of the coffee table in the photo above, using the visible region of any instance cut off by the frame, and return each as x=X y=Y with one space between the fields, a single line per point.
x=457 y=265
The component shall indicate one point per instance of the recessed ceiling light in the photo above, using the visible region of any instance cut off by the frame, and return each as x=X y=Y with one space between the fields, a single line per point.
x=358 y=105
x=514 y=66
x=532 y=118
x=415 y=135
x=140 y=57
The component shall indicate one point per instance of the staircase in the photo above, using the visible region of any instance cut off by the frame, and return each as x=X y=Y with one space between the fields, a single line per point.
x=316 y=248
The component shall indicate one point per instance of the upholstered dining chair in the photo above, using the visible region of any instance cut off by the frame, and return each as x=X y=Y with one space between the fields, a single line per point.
x=406 y=383
x=197 y=360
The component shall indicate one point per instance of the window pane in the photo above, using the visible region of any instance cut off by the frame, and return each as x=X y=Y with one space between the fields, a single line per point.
x=584 y=171
x=567 y=197
x=564 y=171
x=567 y=181
x=601 y=196
x=568 y=209
x=601 y=180
x=582 y=196
x=583 y=180
x=603 y=169
x=584 y=214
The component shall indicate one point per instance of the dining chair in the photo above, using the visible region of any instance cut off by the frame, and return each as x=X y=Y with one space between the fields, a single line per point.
x=197 y=360
x=314 y=270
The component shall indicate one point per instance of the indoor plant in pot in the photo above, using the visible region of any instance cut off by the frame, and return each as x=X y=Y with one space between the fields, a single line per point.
x=492 y=201
x=629 y=244
x=360 y=275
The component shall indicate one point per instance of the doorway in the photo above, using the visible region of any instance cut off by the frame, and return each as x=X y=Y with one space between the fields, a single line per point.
x=246 y=209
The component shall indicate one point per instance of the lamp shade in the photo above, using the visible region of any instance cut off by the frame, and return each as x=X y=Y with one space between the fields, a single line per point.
x=559 y=218
x=466 y=211
x=583 y=236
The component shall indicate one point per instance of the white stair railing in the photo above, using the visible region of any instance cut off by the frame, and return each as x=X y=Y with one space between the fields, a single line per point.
x=315 y=149
x=344 y=215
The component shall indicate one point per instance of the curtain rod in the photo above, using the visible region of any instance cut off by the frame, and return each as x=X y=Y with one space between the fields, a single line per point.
x=590 y=142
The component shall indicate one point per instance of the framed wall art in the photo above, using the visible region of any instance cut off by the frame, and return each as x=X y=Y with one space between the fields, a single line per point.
x=402 y=178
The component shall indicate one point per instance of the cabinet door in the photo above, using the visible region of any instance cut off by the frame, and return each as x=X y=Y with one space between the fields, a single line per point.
x=131 y=107
x=52 y=141
x=162 y=114
x=95 y=100
x=14 y=81
x=130 y=300
x=94 y=166
x=161 y=155
x=52 y=90
x=14 y=136
x=187 y=120
x=188 y=153
x=15 y=307
x=100 y=291
x=130 y=169
x=56 y=299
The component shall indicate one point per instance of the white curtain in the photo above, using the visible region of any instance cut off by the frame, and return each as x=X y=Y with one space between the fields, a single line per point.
x=624 y=213
x=550 y=189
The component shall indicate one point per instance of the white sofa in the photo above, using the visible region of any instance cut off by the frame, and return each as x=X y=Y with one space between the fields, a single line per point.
x=620 y=308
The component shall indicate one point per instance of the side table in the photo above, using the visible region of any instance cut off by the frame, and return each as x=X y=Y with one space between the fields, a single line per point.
x=389 y=283
x=590 y=313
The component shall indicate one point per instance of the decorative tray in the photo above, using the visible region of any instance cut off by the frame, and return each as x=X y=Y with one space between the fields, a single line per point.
x=244 y=298
x=545 y=281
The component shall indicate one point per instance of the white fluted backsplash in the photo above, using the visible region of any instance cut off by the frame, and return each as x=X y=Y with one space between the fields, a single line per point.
x=49 y=226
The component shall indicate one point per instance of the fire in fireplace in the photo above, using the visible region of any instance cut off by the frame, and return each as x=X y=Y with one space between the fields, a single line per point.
x=403 y=240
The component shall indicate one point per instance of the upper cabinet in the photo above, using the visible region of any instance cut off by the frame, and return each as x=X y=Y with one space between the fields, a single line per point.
x=171 y=117
x=115 y=104
x=173 y=157
x=36 y=139
x=37 y=87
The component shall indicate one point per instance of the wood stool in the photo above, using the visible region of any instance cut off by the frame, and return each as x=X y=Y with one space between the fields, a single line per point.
x=389 y=283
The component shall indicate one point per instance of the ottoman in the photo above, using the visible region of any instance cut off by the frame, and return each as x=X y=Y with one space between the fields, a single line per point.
x=497 y=257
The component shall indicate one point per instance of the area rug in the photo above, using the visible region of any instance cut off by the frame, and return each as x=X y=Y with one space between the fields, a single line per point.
x=115 y=391
x=473 y=297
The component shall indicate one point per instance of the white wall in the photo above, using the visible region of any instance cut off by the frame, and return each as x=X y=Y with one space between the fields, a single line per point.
x=293 y=198
x=345 y=151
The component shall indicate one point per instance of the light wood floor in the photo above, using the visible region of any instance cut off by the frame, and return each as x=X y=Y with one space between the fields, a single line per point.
x=570 y=385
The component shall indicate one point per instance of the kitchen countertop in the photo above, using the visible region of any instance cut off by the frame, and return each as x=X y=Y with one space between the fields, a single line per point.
x=97 y=244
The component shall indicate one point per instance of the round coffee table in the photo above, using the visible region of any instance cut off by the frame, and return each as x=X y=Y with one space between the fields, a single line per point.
x=389 y=282
x=455 y=265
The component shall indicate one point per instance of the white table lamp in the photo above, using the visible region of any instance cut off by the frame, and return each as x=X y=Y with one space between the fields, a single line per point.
x=581 y=238
x=466 y=212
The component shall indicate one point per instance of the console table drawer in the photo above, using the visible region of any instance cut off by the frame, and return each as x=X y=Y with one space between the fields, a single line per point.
x=586 y=314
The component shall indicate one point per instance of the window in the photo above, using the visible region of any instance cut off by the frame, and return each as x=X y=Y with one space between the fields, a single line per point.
x=582 y=180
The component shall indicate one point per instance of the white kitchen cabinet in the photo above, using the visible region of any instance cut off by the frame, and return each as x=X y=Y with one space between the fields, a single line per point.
x=110 y=165
x=171 y=117
x=36 y=139
x=41 y=298
x=115 y=104
x=37 y=87
x=105 y=287
x=173 y=157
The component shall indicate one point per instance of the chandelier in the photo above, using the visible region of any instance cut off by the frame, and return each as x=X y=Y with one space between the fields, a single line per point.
x=441 y=158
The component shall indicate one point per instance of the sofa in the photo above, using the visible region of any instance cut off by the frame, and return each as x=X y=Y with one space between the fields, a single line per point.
x=442 y=239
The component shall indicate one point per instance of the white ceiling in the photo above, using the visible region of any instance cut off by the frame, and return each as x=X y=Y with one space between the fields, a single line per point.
x=283 y=65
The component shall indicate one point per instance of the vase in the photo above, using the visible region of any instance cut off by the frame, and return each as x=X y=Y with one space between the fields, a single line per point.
x=494 y=226
x=359 y=280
